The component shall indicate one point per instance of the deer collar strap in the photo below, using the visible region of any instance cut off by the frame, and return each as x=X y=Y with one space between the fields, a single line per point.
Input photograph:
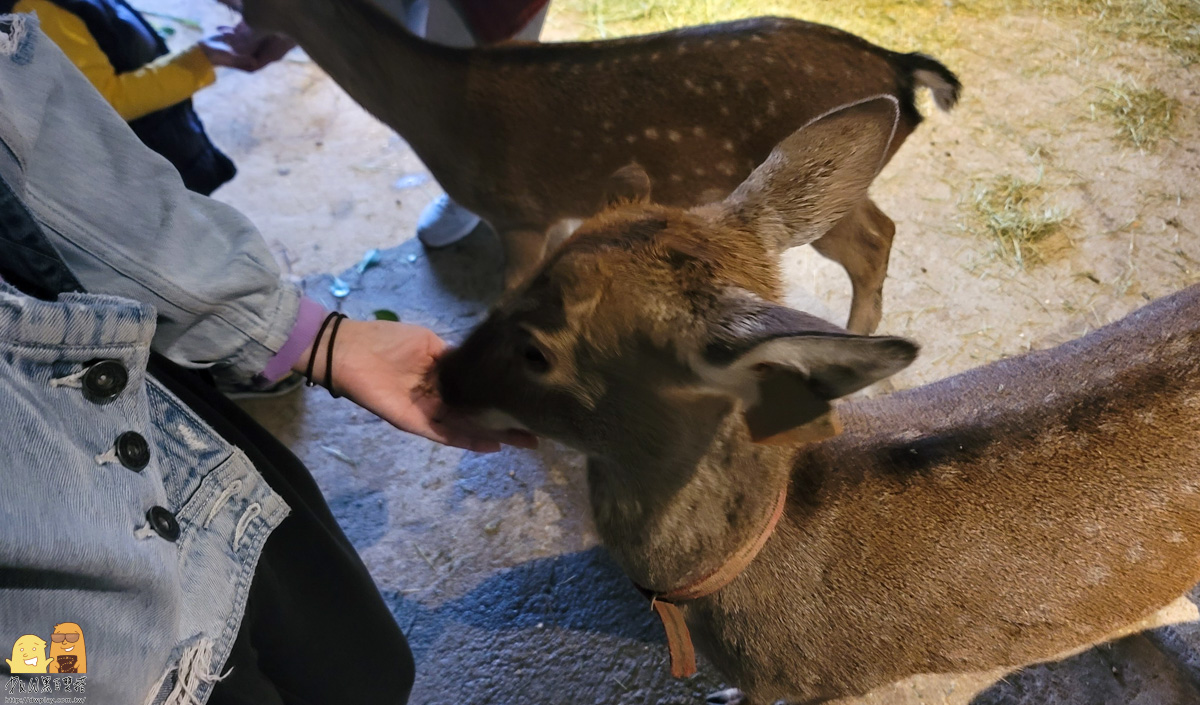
x=679 y=641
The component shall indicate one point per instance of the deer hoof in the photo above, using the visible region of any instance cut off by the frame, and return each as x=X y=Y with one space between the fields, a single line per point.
x=729 y=696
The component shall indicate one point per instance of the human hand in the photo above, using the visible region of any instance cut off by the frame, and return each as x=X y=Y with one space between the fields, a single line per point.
x=244 y=48
x=387 y=368
x=273 y=48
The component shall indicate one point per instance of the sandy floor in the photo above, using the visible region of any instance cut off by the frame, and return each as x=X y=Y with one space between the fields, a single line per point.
x=448 y=534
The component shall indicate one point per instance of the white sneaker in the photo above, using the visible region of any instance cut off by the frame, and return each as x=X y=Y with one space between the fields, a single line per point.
x=444 y=222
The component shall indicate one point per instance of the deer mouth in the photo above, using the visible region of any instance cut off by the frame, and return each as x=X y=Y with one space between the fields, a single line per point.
x=496 y=420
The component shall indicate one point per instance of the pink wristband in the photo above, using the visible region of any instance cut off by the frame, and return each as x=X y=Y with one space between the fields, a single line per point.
x=308 y=320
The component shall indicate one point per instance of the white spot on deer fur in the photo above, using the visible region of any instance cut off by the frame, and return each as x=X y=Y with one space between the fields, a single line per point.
x=681 y=49
x=771 y=108
x=735 y=44
x=651 y=133
x=676 y=178
x=674 y=135
x=724 y=109
x=708 y=42
x=700 y=171
x=768 y=60
x=787 y=93
x=1175 y=537
x=757 y=122
x=655 y=56
x=1096 y=574
x=726 y=168
x=631 y=138
x=1135 y=553
x=718 y=86
x=728 y=145
x=1189 y=486
x=606 y=125
x=758 y=38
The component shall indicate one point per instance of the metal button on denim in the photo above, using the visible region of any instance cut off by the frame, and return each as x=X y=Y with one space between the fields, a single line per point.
x=104 y=380
x=163 y=522
x=132 y=450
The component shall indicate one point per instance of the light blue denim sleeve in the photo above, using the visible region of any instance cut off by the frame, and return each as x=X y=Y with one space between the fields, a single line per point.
x=121 y=219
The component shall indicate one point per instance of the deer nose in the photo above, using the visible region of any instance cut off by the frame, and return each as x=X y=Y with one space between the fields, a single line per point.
x=452 y=380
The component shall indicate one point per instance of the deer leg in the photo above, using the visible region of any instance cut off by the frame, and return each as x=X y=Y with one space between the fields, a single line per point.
x=523 y=251
x=862 y=242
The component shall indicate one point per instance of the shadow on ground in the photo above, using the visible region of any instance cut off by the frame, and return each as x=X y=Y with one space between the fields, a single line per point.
x=565 y=629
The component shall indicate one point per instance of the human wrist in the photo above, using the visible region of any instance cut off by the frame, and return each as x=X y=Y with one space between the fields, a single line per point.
x=293 y=352
x=333 y=335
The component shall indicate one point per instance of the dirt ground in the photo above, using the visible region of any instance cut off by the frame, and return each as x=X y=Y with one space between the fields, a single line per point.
x=490 y=562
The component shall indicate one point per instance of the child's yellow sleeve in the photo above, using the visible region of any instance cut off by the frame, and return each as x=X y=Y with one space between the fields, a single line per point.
x=167 y=80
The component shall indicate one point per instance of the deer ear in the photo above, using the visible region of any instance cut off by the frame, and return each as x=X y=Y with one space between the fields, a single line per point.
x=786 y=366
x=629 y=184
x=815 y=176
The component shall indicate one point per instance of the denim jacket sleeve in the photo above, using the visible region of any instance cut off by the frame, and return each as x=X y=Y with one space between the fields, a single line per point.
x=121 y=219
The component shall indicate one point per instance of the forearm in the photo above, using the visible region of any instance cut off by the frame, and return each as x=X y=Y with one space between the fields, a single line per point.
x=160 y=84
x=168 y=80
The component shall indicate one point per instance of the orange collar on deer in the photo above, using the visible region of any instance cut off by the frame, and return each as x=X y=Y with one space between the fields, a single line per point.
x=679 y=640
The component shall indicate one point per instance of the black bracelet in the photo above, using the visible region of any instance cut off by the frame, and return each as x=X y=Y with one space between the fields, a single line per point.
x=329 y=355
x=312 y=356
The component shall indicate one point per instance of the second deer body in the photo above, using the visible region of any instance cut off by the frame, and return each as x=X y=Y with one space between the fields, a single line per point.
x=525 y=135
x=1009 y=515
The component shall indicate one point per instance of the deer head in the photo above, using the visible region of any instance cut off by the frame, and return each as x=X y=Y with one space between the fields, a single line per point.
x=652 y=325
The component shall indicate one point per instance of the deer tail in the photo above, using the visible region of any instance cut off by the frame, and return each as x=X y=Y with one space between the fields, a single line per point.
x=924 y=70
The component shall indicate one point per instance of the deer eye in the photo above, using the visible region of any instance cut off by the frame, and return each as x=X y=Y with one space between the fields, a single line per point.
x=535 y=359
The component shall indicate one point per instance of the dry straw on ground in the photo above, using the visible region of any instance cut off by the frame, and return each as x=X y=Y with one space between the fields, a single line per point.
x=905 y=25
x=1143 y=115
x=1017 y=215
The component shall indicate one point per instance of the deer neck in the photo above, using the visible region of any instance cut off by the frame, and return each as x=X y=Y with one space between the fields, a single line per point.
x=413 y=86
x=671 y=517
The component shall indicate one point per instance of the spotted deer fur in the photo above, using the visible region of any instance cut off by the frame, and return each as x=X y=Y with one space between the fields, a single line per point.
x=525 y=135
x=1004 y=516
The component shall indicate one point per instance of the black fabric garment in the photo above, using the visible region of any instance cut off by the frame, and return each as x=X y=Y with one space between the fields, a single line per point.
x=175 y=132
x=27 y=259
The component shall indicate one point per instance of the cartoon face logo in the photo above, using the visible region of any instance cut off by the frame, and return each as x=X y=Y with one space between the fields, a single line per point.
x=29 y=655
x=67 y=652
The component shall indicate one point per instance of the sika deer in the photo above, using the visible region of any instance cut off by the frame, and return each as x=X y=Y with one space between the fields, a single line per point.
x=525 y=135
x=1008 y=515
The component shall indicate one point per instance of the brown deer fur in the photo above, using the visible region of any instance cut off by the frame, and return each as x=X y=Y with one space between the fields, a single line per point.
x=526 y=135
x=1004 y=516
